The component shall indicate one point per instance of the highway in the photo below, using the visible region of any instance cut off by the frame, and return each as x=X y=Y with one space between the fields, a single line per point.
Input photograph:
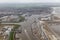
x=54 y=27
x=33 y=25
x=26 y=29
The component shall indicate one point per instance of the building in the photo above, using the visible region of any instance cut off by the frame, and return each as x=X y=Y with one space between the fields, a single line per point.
x=56 y=14
x=11 y=18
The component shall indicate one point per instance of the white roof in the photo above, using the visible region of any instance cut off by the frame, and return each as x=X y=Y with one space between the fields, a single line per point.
x=9 y=29
x=6 y=32
x=41 y=22
x=4 y=17
x=56 y=10
x=12 y=16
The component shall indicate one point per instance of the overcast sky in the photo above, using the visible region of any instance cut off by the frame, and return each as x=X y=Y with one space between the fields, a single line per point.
x=29 y=1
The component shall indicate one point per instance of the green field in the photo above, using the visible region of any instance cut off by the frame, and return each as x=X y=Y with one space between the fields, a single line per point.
x=12 y=33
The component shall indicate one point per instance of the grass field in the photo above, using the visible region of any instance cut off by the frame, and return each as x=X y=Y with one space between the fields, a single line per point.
x=12 y=33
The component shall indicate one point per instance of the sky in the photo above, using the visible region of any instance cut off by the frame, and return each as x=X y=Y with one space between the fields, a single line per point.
x=29 y=1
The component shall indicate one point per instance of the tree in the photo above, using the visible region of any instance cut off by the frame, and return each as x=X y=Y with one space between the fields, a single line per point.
x=21 y=18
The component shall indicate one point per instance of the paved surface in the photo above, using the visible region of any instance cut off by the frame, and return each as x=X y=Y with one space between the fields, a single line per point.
x=26 y=27
x=56 y=29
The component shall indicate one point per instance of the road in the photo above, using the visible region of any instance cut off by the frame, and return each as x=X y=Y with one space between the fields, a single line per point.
x=28 y=24
x=26 y=29
x=56 y=29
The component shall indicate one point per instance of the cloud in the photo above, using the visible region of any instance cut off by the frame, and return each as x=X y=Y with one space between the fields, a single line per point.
x=28 y=1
